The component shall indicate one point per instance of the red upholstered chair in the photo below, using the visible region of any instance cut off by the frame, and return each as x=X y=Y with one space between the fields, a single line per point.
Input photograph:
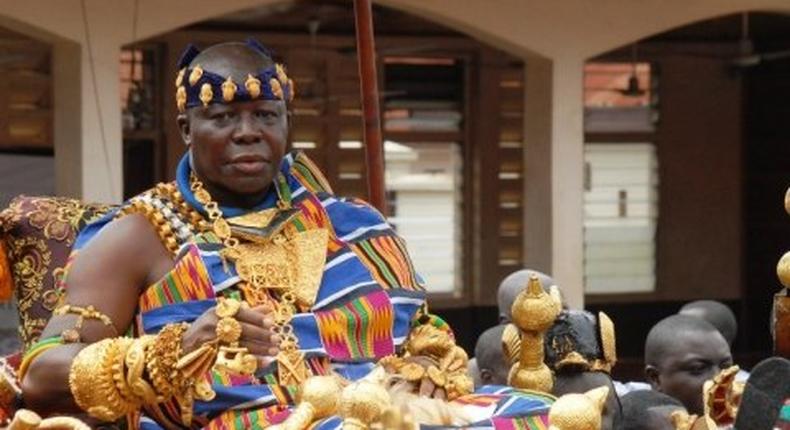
x=36 y=238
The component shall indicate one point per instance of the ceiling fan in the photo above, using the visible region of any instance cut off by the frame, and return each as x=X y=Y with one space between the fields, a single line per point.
x=747 y=55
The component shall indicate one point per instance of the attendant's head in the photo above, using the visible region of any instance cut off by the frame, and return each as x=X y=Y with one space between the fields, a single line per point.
x=491 y=361
x=716 y=313
x=581 y=382
x=233 y=117
x=681 y=353
x=648 y=410
x=512 y=285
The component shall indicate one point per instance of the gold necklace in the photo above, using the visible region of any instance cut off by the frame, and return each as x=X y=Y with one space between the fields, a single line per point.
x=260 y=274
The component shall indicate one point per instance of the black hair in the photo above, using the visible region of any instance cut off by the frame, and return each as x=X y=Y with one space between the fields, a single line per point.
x=717 y=314
x=663 y=336
x=637 y=404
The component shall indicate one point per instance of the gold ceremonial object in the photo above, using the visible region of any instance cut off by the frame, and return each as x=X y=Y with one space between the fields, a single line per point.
x=534 y=312
x=363 y=403
x=253 y=86
x=25 y=419
x=195 y=75
x=511 y=343
x=317 y=398
x=236 y=360
x=206 y=94
x=229 y=89
x=722 y=396
x=578 y=411
x=450 y=368
x=227 y=307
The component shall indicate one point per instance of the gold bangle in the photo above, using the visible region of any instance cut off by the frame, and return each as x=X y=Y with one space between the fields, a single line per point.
x=162 y=356
x=228 y=330
x=135 y=367
x=92 y=382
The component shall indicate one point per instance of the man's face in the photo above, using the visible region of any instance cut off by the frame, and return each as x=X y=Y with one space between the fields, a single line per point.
x=238 y=146
x=694 y=358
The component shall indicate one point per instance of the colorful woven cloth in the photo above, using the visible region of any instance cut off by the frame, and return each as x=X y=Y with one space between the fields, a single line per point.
x=368 y=300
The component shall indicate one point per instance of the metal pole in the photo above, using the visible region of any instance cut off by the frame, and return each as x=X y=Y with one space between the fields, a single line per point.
x=374 y=151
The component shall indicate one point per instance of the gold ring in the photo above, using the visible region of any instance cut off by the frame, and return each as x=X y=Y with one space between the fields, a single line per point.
x=228 y=330
x=227 y=308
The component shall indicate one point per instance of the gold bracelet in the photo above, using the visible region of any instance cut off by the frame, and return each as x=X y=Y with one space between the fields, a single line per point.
x=162 y=356
x=72 y=335
x=92 y=381
x=135 y=367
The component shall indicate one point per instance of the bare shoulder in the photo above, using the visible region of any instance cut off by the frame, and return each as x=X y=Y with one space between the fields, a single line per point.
x=127 y=248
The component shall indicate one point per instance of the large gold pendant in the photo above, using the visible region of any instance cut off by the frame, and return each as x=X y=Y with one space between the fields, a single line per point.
x=293 y=264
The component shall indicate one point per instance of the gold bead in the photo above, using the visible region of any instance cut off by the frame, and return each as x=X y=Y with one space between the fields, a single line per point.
x=253 y=86
x=783 y=270
x=195 y=75
x=206 y=94
x=277 y=89
x=229 y=89
x=181 y=99
x=180 y=77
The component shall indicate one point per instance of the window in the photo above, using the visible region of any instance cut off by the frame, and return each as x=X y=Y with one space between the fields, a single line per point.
x=620 y=97
x=424 y=188
x=620 y=215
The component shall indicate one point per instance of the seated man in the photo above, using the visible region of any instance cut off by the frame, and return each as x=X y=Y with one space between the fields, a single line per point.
x=209 y=301
x=491 y=361
x=648 y=410
x=681 y=353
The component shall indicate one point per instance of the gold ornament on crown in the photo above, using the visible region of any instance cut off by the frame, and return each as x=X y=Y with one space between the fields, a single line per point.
x=534 y=312
x=229 y=89
x=289 y=264
x=253 y=86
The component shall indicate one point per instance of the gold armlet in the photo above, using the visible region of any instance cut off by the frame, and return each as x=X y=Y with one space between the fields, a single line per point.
x=89 y=312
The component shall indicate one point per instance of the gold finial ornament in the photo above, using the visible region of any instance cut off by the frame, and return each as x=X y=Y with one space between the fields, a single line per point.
x=277 y=89
x=317 y=398
x=578 y=411
x=195 y=75
x=253 y=86
x=229 y=89
x=534 y=312
x=180 y=77
x=783 y=270
x=363 y=403
x=206 y=94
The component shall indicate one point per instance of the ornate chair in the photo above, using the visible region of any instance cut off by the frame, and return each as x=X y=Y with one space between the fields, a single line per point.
x=36 y=238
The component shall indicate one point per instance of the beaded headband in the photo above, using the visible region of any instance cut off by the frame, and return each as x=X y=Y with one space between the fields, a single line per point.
x=198 y=87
